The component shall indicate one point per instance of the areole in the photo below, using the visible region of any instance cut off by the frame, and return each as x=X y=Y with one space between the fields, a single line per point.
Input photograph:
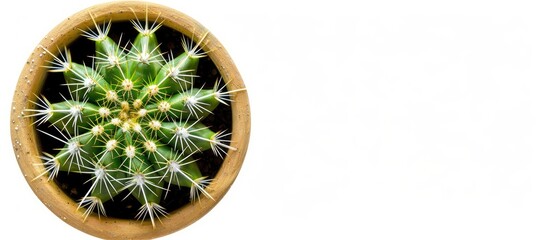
x=25 y=139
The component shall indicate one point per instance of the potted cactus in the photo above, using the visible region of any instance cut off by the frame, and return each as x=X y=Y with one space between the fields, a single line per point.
x=130 y=120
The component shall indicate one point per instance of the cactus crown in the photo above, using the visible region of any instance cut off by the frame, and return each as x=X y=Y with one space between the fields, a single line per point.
x=134 y=120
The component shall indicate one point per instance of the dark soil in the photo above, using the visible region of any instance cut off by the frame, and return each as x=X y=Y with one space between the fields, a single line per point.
x=74 y=184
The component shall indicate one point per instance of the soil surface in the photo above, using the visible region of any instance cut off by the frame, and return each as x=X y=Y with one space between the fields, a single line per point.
x=74 y=184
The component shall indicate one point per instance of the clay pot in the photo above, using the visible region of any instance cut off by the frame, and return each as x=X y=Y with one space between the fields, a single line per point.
x=25 y=139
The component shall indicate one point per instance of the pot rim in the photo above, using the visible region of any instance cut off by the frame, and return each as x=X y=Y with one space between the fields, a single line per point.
x=24 y=137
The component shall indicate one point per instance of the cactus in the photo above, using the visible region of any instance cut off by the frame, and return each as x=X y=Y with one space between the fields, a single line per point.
x=132 y=121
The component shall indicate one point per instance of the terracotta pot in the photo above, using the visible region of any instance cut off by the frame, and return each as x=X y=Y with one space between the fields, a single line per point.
x=24 y=135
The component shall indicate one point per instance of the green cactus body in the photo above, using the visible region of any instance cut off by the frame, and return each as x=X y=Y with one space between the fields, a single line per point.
x=133 y=121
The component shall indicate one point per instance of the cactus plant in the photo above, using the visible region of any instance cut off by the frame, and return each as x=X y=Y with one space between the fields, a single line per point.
x=132 y=121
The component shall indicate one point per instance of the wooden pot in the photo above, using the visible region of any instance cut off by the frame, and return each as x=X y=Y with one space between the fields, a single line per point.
x=24 y=135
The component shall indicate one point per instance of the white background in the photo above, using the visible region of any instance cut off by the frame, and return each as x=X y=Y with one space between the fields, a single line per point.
x=370 y=119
